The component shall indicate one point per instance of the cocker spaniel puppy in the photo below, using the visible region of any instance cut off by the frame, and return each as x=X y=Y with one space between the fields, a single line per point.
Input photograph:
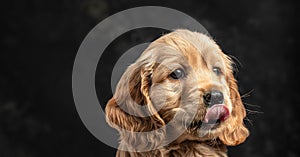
x=184 y=76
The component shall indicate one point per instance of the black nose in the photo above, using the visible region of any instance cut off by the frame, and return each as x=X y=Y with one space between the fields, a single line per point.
x=213 y=97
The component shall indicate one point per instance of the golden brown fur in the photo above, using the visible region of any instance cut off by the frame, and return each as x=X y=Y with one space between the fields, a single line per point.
x=147 y=83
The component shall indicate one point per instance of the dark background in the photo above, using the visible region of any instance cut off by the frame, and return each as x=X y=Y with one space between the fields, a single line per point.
x=40 y=39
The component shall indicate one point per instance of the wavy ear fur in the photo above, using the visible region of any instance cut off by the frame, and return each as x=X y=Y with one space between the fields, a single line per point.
x=235 y=132
x=132 y=90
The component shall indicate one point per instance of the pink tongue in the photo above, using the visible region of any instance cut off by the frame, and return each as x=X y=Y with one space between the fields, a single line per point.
x=216 y=112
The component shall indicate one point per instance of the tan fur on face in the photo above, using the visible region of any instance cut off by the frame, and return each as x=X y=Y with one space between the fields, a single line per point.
x=147 y=83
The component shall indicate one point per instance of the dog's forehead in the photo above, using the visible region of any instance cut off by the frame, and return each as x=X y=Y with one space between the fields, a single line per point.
x=198 y=49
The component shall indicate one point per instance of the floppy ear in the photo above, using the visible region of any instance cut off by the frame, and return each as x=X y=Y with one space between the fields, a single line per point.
x=123 y=110
x=235 y=132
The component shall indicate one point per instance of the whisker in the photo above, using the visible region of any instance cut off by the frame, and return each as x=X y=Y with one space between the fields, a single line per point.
x=249 y=120
x=247 y=94
x=247 y=104
x=234 y=99
x=250 y=111
x=253 y=111
x=251 y=105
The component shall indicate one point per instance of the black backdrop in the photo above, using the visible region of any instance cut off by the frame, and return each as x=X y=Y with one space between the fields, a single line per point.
x=39 y=41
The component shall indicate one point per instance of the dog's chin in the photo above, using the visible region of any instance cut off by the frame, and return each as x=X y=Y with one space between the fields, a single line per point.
x=202 y=126
x=206 y=131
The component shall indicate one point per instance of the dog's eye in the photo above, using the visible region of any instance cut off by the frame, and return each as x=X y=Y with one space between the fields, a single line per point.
x=217 y=70
x=177 y=74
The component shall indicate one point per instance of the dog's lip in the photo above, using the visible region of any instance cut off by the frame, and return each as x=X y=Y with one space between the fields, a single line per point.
x=216 y=113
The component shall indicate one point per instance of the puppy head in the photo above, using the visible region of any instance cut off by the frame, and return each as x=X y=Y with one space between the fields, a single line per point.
x=185 y=74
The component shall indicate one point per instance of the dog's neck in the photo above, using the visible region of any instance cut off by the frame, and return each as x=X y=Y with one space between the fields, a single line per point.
x=190 y=145
x=196 y=148
x=191 y=148
x=185 y=145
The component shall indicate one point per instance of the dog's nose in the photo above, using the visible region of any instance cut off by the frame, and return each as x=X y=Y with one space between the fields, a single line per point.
x=213 y=97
